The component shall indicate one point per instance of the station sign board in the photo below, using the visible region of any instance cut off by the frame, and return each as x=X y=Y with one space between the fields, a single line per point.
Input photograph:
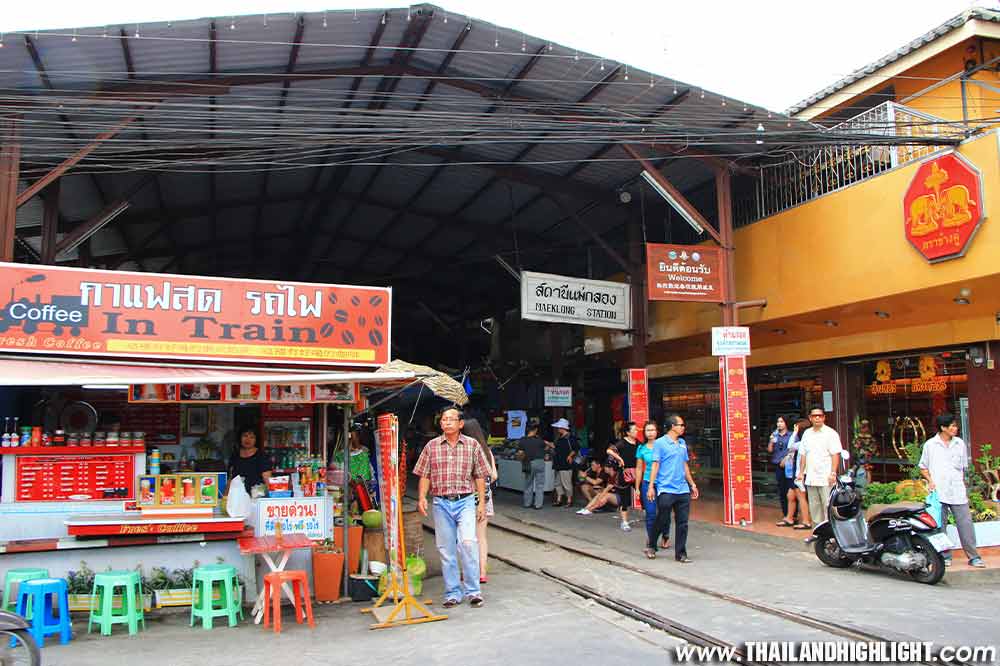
x=568 y=300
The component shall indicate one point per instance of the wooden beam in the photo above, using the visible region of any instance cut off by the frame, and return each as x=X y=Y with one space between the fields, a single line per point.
x=50 y=222
x=10 y=162
x=108 y=213
x=681 y=200
x=68 y=163
x=611 y=252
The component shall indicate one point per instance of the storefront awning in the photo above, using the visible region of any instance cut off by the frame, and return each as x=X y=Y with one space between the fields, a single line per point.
x=44 y=371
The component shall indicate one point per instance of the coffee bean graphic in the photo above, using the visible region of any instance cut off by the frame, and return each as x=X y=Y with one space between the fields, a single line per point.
x=378 y=320
x=326 y=330
x=347 y=337
x=375 y=336
x=333 y=298
x=375 y=300
x=340 y=316
x=355 y=301
x=361 y=320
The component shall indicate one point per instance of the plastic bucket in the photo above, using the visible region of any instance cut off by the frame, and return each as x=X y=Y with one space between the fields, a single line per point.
x=362 y=588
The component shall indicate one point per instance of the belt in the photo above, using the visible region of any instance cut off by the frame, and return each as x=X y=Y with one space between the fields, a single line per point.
x=454 y=498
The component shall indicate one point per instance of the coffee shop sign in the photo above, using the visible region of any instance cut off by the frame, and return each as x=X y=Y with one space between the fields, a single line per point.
x=569 y=300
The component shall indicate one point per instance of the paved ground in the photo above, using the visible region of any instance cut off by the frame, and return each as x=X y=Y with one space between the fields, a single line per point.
x=531 y=620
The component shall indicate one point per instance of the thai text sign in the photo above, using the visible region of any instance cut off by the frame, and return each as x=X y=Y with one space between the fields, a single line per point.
x=736 y=474
x=298 y=515
x=638 y=398
x=730 y=341
x=943 y=207
x=684 y=273
x=113 y=313
x=570 y=300
x=558 y=396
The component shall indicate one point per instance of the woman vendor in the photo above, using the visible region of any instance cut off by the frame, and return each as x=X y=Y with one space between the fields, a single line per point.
x=249 y=461
x=360 y=466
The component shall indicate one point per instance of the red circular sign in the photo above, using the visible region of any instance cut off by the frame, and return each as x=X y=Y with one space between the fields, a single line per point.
x=943 y=207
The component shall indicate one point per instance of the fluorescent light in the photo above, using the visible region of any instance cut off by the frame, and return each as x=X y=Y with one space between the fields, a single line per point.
x=648 y=177
x=106 y=387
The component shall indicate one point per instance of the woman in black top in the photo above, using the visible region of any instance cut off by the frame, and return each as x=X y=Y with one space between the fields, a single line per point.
x=623 y=452
x=249 y=461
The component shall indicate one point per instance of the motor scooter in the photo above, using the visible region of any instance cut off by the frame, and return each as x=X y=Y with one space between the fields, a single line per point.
x=900 y=537
x=17 y=645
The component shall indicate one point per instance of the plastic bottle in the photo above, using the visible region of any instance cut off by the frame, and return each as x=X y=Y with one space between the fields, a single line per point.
x=154 y=461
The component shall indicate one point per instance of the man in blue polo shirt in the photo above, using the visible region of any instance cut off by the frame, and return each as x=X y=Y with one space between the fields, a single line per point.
x=673 y=487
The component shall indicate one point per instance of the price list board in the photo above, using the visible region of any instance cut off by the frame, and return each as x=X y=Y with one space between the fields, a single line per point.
x=736 y=476
x=75 y=478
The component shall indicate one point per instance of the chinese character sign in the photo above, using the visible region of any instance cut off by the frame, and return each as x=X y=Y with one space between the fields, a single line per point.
x=684 y=273
x=638 y=398
x=736 y=474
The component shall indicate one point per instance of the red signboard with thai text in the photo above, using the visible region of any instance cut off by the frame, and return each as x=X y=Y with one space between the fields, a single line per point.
x=943 y=207
x=65 y=478
x=638 y=398
x=86 y=312
x=684 y=273
x=737 y=480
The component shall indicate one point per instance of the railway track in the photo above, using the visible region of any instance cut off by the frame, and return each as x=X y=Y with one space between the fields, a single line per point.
x=673 y=626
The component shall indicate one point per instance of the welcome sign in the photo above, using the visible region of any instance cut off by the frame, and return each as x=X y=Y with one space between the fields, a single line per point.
x=86 y=312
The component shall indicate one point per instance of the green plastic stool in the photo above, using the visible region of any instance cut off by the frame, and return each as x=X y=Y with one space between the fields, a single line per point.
x=102 y=609
x=16 y=577
x=202 y=588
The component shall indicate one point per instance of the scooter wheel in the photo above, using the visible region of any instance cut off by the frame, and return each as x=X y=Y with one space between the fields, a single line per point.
x=830 y=554
x=17 y=646
x=934 y=571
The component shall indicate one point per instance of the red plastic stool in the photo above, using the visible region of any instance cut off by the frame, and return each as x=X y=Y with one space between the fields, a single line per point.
x=300 y=593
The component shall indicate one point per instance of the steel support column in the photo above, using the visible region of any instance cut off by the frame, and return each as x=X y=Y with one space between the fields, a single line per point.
x=50 y=222
x=724 y=203
x=10 y=166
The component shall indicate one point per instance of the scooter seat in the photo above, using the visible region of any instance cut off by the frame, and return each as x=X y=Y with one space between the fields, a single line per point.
x=888 y=510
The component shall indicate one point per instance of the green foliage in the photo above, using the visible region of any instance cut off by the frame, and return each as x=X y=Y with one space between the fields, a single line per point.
x=980 y=509
x=976 y=473
x=912 y=464
x=81 y=581
x=159 y=579
x=879 y=493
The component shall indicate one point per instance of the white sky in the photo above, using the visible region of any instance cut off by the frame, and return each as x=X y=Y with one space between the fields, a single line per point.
x=772 y=53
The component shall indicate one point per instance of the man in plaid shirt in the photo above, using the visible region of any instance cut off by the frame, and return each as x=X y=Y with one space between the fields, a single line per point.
x=452 y=467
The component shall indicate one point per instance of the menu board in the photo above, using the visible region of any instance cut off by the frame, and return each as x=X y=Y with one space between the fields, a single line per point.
x=75 y=478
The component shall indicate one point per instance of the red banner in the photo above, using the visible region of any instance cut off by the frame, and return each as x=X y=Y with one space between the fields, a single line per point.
x=737 y=480
x=390 y=482
x=638 y=398
x=943 y=207
x=684 y=273
x=85 y=312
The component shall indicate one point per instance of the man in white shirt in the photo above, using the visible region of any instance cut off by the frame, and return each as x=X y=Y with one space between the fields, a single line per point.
x=820 y=449
x=942 y=463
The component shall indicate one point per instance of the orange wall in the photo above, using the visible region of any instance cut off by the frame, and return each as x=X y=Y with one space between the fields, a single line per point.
x=839 y=249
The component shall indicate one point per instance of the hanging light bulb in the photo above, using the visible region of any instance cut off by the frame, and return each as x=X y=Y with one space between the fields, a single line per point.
x=137 y=35
x=769 y=114
x=550 y=46
x=74 y=35
x=324 y=17
x=265 y=20
x=524 y=43
x=409 y=16
x=760 y=133
x=703 y=94
x=383 y=19
x=651 y=82
x=232 y=23
x=468 y=26
x=446 y=17
x=1 y=40
x=576 y=56
x=744 y=108
x=602 y=64
x=723 y=101
x=675 y=87
x=105 y=32
x=496 y=42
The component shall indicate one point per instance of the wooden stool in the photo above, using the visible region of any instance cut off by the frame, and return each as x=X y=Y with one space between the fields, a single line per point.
x=300 y=593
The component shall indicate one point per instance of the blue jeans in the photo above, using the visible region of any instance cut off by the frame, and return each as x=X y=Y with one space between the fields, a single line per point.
x=534 y=484
x=680 y=504
x=649 y=506
x=455 y=535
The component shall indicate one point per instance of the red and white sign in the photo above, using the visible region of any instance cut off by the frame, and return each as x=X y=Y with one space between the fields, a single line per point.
x=638 y=398
x=86 y=312
x=684 y=273
x=737 y=480
x=296 y=515
x=943 y=207
x=66 y=478
x=390 y=483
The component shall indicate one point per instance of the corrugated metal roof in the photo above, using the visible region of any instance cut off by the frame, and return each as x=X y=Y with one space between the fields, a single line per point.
x=954 y=23
x=445 y=218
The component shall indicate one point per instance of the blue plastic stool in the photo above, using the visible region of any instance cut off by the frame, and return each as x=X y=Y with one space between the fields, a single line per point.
x=43 y=595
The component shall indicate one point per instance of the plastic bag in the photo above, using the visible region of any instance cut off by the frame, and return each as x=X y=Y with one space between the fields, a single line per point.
x=237 y=500
x=934 y=507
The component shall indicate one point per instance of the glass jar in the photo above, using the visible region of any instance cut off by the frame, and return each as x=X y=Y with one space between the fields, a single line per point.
x=125 y=439
x=58 y=438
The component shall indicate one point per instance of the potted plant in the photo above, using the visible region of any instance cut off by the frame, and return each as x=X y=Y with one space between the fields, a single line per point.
x=328 y=570
x=178 y=588
x=80 y=585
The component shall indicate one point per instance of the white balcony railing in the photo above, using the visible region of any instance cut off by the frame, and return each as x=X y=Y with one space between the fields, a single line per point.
x=809 y=173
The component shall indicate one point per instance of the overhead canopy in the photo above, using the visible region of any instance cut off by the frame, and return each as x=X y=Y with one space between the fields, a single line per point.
x=22 y=371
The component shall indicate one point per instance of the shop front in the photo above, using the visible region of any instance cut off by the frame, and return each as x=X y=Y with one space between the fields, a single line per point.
x=125 y=462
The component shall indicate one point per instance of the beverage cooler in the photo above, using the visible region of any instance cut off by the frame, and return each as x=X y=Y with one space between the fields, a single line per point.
x=287 y=434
